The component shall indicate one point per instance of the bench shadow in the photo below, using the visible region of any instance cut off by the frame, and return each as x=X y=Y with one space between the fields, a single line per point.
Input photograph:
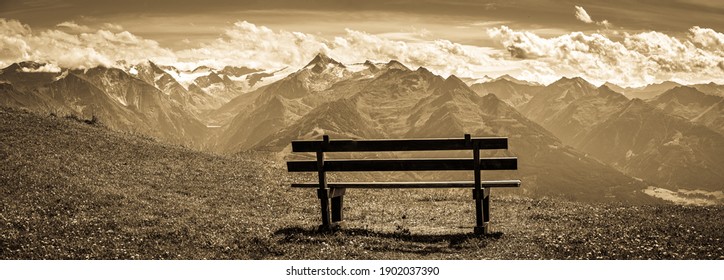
x=419 y=243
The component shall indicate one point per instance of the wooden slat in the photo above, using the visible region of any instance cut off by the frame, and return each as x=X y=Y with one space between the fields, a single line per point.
x=413 y=185
x=392 y=145
x=349 y=165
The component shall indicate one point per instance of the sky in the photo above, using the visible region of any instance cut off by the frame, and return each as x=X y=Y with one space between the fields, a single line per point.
x=630 y=43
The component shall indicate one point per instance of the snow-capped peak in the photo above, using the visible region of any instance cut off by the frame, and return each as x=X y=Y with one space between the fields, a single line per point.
x=322 y=62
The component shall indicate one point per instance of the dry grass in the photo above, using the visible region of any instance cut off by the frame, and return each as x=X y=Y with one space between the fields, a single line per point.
x=74 y=190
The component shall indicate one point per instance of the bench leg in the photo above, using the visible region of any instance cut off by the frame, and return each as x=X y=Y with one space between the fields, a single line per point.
x=337 y=203
x=486 y=207
x=482 y=211
x=323 y=195
x=486 y=211
x=337 y=195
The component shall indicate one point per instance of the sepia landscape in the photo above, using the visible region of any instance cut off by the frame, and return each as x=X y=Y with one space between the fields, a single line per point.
x=163 y=130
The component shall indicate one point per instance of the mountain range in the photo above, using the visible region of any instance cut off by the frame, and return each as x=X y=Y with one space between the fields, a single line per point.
x=634 y=136
x=572 y=138
x=694 y=105
x=158 y=101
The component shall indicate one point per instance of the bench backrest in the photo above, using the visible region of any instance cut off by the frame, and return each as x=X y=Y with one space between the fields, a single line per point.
x=393 y=145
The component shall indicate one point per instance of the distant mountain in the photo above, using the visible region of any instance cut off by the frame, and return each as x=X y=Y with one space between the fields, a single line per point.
x=517 y=81
x=508 y=89
x=220 y=86
x=567 y=118
x=650 y=91
x=323 y=62
x=11 y=97
x=370 y=67
x=394 y=64
x=339 y=119
x=157 y=76
x=238 y=71
x=128 y=104
x=215 y=87
x=559 y=93
x=120 y=100
x=615 y=87
x=382 y=101
x=23 y=77
x=471 y=81
x=254 y=116
x=645 y=142
x=198 y=92
x=710 y=88
x=693 y=105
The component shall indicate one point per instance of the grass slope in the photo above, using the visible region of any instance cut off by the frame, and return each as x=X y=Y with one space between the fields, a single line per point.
x=73 y=190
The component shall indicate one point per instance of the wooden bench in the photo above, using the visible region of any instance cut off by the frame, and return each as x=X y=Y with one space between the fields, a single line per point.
x=336 y=190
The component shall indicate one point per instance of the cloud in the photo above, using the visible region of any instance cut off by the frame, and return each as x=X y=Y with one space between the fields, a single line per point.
x=84 y=48
x=638 y=59
x=626 y=59
x=605 y=23
x=582 y=15
x=43 y=68
x=74 y=26
x=113 y=27
x=708 y=39
x=256 y=46
x=13 y=28
x=12 y=45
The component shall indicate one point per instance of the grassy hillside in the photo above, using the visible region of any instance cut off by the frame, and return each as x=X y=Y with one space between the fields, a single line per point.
x=75 y=190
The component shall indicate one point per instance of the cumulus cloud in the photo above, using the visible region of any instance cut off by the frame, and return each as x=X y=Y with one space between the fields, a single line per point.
x=12 y=45
x=708 y=39
x=13 y=28
x=637 y=59
x=80 y=49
